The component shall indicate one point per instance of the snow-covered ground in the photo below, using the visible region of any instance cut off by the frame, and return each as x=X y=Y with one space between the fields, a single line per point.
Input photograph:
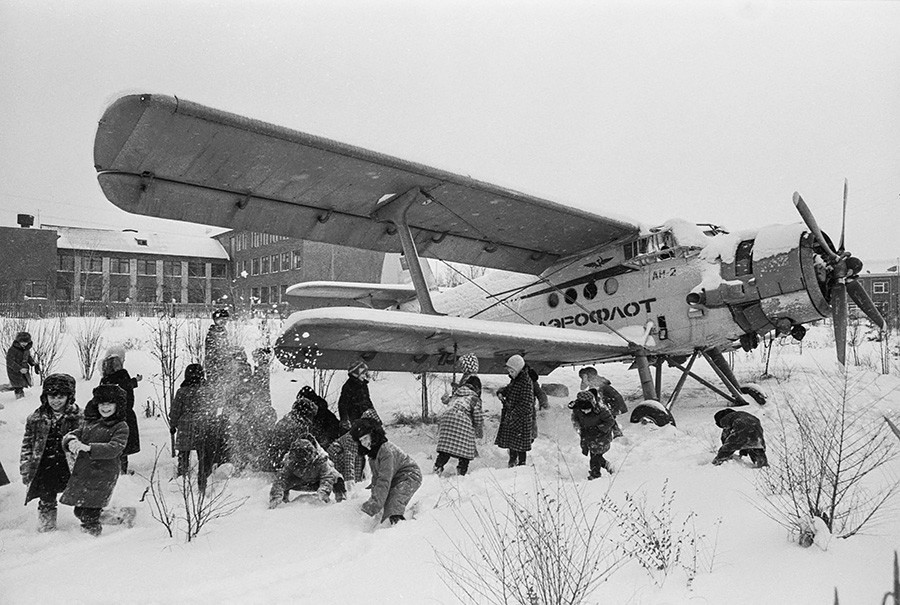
x=313 y=553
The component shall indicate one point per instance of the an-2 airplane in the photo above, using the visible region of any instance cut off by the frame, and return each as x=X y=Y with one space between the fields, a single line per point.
x=590 y=288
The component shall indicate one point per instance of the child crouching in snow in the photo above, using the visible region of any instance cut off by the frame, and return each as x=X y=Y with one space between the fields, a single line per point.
x=44 y=464
x=395 y=476
x=98 y=445
x=306 y=467
x=594 y=423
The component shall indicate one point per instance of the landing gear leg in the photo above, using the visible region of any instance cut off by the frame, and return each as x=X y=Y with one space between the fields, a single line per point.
x=651 y=409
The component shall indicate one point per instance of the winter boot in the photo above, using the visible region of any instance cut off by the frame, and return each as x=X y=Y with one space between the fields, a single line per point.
x=462 y=468
x=396 y=519
x=46 y=519
x=94 y=529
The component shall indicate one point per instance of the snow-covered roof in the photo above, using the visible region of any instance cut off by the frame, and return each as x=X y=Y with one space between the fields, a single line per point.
x=105 y=240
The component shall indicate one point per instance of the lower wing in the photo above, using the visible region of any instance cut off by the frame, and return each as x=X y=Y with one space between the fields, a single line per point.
x=333 y=338
x=376 y=296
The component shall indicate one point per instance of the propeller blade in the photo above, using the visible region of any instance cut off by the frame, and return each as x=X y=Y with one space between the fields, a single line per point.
x=862 y=300
x=843 y=219
x=810 y=221
x=839 y=317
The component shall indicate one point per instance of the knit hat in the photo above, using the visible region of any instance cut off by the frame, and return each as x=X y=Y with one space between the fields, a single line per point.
x=58 y=383
x=357 y=368
x=112 y=393
x=516 y=362
x=193 y=374
x=721 y=415
x=468 y=363
x=590 y=379
x=218 y=313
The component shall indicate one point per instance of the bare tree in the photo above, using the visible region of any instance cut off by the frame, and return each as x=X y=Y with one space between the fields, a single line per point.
x=164 y=335
x=9 y=327
x=49 y=344
x=194 y=339
x=88 y=337
x=826 y=454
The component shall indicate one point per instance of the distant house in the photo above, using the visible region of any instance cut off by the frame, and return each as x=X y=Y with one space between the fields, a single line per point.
x=884 y=290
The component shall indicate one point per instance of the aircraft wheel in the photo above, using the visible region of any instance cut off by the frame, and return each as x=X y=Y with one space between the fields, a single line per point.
x=651 y=411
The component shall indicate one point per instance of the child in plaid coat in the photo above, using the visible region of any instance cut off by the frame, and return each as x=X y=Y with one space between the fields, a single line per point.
x=462 y=422
x=594 y=423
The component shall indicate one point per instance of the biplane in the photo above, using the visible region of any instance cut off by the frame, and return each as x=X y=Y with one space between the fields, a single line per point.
x=584 y=288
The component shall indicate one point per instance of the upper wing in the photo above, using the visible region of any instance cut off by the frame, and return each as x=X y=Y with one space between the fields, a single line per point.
x=377 y=296
x=166 y=157
x=333 y=338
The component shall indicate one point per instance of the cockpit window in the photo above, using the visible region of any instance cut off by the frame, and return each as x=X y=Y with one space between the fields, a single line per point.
x=743 y=258
x=649 y=244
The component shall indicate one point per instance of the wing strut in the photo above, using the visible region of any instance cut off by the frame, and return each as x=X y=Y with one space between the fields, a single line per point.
x=394 y=211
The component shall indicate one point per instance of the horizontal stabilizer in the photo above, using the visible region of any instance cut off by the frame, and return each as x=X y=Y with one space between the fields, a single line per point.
x=333 y=338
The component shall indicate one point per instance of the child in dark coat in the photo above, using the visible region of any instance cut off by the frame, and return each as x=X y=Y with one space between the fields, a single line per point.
x=603 y=390
x=517 y=428
x=190 y=420
x=307 y=468
x=742 y=433
x=114 y=372
x=97 y=445
x=594 y=423
x=354 y=399
x=44 y=464
x=395 y=475
x=19 y=362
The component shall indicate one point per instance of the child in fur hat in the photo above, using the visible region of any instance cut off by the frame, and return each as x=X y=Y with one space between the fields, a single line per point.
x=19 y=362
x=594 y=423
x=98 y=444
x=114 y=372
x=44 y=464
x=306 y=468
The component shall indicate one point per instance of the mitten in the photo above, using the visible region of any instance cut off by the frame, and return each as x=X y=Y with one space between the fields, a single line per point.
x=74 y=446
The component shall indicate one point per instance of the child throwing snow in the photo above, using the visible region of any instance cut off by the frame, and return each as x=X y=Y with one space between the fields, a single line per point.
x=594 y=423
x=307 y=468
x=44 y=464
x=462 y=422
x=98 y=444
x=395 y=476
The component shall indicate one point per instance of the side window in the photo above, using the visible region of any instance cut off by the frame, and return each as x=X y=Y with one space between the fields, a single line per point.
x=743 y=258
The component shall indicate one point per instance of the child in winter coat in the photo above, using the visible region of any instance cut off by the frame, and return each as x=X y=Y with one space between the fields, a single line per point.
x=603 y=390
x=325 y=425
x=517 y=418
x=307 y=468
x=344 y=452
x=395 y=476
x=19 y=362
x=97 y=444
x=742 y=433
x=594 y=423
x=190 y=420
x=44 y=464
x=463 y=421
x=354 y=399
x=289 y=428
x=114 y=372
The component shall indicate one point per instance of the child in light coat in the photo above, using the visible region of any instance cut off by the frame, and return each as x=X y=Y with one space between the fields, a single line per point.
x=44 y=464
x=463 y=420
x=395 y=475
x=98 y=445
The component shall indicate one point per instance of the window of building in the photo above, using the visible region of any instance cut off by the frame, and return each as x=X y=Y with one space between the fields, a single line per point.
x=254 y=270
x=196 y=292
x=232 y=245
x=196 y=268
x=118 y=293
x=146 y=294
x=172 y=268
x=67 y=263
x=254 y=295
x=254 y=238
x=298 y=259
x=276 y=263
x=36 y=288
x=218 y=295
x=146 y=267
x=881 y=287
x=119 y=266
x=63 y=291
x=264 y=265
x=92 y=290
x=264 y=295
x=285 y=261
x=91 y=264
x=218 y=269
x=743 y=258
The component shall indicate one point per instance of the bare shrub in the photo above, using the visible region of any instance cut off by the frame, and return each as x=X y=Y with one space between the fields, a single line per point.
x=164 y=336
x=9 y=327
x=49 y=344
x=88 y=338
x=826 y=454
x=655 y=539
x=321 y=381
x=194 y=339
x=536 y=546
x=195 y=509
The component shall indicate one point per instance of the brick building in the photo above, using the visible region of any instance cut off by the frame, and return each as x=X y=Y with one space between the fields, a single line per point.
x=884 y=290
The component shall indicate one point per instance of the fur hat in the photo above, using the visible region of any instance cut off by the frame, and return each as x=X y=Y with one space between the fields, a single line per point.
x=362 y=427
x=110 y=392
x=584 y=400
x=357 y=368
x=468 y=363
x=220 y=313
x=590 y=379
x=58 y=383
x=721 y=415
x=111 y=365
x=23 y=337
x=516 y=362
x=304 y=407
x=116 y=351
x=303 y=452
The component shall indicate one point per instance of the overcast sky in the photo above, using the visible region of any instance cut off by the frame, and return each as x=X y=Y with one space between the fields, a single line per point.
x=713 y=112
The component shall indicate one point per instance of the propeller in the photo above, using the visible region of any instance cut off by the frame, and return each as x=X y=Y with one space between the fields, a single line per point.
x=844 y=271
